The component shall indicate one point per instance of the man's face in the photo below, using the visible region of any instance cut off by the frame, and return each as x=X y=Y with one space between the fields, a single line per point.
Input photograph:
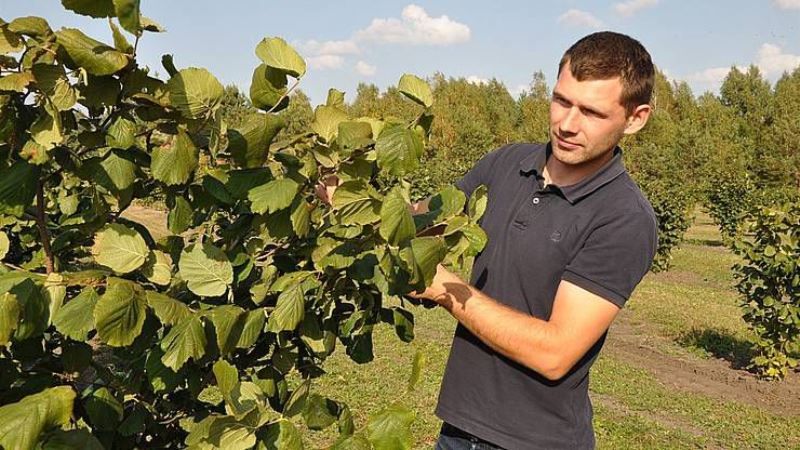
x=587 y=119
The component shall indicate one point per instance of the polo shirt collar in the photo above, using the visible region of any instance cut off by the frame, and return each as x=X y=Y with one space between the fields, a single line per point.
x=534 y=163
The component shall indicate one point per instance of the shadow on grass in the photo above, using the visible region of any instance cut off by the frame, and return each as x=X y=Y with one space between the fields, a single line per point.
x=720 y=344
x=706 y=242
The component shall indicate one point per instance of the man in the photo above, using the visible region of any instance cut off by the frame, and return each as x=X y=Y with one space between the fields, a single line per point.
x=570 y=236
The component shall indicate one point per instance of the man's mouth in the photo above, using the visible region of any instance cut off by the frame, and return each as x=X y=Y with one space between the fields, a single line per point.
x=566 y=144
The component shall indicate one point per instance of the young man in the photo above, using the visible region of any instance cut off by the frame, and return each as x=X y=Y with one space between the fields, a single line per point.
x=570 y=237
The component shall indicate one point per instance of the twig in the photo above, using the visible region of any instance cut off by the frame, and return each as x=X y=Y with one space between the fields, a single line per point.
x=41 y=222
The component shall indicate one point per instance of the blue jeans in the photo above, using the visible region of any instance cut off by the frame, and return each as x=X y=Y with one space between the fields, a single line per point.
x=451 y=438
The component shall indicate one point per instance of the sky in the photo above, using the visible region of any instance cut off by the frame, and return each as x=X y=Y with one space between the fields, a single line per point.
x=350 y=41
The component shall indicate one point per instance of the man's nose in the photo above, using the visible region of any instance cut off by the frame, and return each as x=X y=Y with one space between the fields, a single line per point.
x=569 y=124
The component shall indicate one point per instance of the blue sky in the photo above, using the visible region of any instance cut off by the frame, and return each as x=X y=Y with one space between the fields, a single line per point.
x=349 y=41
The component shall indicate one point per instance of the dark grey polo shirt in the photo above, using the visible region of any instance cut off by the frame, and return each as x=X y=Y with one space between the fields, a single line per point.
x=599 y=234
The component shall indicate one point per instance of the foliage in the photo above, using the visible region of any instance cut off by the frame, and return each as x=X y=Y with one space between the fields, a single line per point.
x=769 y=282
x=729 y=196
x=210 y=337
x=672 y=206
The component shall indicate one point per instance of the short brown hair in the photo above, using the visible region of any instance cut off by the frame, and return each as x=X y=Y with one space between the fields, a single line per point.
x=605 y=55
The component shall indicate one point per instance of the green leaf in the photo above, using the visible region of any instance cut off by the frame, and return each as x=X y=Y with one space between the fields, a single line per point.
x=168 y=310
x=46 y=130
x=477 y=238
x=55 y=291
x=52 y=80
x=150 y=25
x=419 y=363
x=128 y=13
x=194 y=92
x=268 y=87
x=161 y=377
x=119 y=314
x=477 y=202
x=206 y=269
x=16 y=82
x=22 y=423
x=397 y=224
x=180 y=216
x=249 y=143
x=301 y=217
x=326 y=122
x=318 y=412
x=99 y=92
x=169 y=64
x=354 y=204
x=228 y=323
x=80 y=439
x=121 y=133
x=104 y=409
x=354 y=134
x=34 y=310
x=447 y=203
x=5 y=245
x=289 y=310
x=94 y=56
x=354 y=442
x=403 y=324
x=428 y=252
x=76 y=318
x=10 y=42
x=276 y=53
x=92 y=8
x=398 y=150
x=9 y=317
x=273 y=196
x=174 y=162
x=33 y=26
x=185 y=340
x=120 y=248
x=120 y=41
x=119 y=170
x=416 y=89
x=17 y=187
x=253 y=327
x=390 y=429
x=158 y=268
x=221 y=432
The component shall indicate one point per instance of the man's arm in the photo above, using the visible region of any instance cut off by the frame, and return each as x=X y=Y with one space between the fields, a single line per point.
x=549 y=347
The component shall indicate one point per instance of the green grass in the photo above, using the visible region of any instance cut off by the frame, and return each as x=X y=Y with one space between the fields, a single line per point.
x=693 y=313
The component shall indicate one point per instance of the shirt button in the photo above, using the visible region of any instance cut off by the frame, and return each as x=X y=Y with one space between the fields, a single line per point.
x=535 y=200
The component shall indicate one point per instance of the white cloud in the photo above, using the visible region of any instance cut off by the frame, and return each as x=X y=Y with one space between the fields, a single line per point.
x=712 y=76
x=415 y=27
x=519 y=90
x=474 y=79
x=787 y=4
x=323 y=62
x=631 y=7
x=773 y=61
x=313 y=47
x=365 y=69
x=578 y=18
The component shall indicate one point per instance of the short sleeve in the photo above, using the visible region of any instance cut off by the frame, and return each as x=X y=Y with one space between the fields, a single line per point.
x=615 y=257
x=481 y=173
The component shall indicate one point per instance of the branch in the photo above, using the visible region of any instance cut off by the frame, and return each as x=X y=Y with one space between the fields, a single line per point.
x=41 y=222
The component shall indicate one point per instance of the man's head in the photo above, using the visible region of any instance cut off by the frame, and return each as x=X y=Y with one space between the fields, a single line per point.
x=605 y=81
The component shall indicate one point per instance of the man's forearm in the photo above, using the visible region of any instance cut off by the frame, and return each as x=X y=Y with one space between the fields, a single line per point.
x=521 y=337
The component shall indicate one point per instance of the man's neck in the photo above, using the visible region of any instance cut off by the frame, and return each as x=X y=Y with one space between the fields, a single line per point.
x=560 y=174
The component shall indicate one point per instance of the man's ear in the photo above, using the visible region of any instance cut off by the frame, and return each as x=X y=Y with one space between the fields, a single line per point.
x=638 y=118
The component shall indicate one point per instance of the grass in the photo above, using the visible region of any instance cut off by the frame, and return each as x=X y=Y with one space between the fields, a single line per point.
x=693 y=309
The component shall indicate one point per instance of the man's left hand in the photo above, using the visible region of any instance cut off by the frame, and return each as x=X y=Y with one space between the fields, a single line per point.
x=445 y=287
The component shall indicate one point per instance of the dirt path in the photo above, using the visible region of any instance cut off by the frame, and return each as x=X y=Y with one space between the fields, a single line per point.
x=638 y=344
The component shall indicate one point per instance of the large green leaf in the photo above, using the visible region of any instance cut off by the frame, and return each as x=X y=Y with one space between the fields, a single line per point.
x=76 y=318
x=427 y=253
x=253 y=327
x=17 y=187
x=175 y=161
x=34 y=310
x=80 y=439
x=397 y=225
x=10 y=42
x=390 y=429
x=119 y=314
x=326 y=122
x=185 y=340
x=289 y=310
x=228 y=323
x=301 y=217
x=127 y=11
x=16 y=82
x=354 y=204
x=273 y=196
x=249 y=143
x=104 y=409
x=206 y=269
x=275 y=52
x=94 y=56
x=122 y=133
x=168 y=310
x=478 y=202
x=447 y=203
x=221 y=432
x=22 y=423
x=180 y=216
x=268 y=87
x=5 y=245
x=281 y=435
x=46 y=130
x=354 y=134
x=120 y=248
x=53 y=81
x=398 y=149
x=318 y=412
x=120 y=41
x=161 y=377
x=194 y=92
x=33 y=26
x=9 y=317
x=416 y=89
x=92 y=8
x=118 y=169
